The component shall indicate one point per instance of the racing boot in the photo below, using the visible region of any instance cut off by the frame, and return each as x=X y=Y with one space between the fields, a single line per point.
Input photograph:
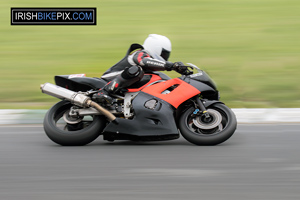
x=103 y=96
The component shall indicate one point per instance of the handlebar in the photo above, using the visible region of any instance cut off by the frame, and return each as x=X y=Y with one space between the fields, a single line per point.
x=188 y=71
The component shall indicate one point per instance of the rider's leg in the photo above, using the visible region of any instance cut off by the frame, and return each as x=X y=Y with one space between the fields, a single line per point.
x=128 y=77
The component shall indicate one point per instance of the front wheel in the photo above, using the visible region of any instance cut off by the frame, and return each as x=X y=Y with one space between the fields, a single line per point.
x=66 y=131
x=217 y=128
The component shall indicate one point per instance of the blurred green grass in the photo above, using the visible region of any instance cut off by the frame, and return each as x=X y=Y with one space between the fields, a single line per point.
x=251 y=48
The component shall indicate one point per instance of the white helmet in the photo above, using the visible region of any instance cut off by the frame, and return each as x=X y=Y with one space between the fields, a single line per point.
x=158 y=46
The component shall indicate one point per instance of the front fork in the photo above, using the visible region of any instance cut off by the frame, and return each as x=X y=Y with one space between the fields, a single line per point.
x=202 y=111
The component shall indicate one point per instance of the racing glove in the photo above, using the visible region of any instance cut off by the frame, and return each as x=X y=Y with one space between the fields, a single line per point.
x=179 y=67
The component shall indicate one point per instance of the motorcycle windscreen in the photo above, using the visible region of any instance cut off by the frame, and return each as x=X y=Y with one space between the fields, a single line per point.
x=174 y=91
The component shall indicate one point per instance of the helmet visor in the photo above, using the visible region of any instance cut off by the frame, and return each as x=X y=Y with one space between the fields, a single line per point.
x=165 y=54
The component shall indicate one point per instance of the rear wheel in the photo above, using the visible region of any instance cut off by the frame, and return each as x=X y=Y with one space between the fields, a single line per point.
x=217 y=128
x=67 y=131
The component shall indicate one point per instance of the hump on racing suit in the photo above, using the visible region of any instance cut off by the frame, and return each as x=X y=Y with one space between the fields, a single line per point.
x=119 y=67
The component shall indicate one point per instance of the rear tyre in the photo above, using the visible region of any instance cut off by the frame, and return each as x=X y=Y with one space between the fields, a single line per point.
x=217 y=129
x=81 y=132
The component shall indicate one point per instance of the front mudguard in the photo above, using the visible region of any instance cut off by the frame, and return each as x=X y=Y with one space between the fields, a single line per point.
x=208 y=103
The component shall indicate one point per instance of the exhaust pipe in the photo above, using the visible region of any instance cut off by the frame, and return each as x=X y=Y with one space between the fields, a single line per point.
x=62 y=93
x=75 y=98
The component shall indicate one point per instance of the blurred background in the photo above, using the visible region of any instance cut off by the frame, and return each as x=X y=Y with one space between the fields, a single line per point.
x=251 y=48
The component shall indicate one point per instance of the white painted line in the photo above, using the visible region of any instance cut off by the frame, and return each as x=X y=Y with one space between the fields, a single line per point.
x=243 y=115
x=267 y=115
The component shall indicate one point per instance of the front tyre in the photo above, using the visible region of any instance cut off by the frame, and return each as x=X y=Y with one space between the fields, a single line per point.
x=214 y=130
x=75 y=133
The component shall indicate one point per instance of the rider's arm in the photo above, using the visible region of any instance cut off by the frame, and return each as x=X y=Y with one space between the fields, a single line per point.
x=144 y=60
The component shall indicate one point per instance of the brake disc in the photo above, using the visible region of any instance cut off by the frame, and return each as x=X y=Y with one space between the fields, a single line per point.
x=216 y=120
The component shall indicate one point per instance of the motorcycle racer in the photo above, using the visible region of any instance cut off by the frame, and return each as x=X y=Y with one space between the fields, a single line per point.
x=153 y=55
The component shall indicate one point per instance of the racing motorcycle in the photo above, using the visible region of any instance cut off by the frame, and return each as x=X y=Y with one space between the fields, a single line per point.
x=156 y=108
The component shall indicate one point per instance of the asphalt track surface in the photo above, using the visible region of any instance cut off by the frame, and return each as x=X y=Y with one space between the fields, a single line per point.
x=258 y=162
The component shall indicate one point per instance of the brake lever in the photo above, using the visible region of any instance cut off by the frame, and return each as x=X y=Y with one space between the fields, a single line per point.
x=188 y=72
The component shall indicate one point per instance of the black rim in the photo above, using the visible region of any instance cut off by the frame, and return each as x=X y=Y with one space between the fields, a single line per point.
x=59 y=122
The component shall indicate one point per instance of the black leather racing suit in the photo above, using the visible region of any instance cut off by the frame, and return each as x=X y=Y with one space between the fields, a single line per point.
x=131 y=69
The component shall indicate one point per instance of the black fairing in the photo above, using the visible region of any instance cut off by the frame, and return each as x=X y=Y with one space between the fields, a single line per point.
x=79 y=84
x=204 y=78
x=148 y=124
x=204 y=84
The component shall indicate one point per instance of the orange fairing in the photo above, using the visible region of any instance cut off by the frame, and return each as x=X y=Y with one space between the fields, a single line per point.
x=177 y=96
